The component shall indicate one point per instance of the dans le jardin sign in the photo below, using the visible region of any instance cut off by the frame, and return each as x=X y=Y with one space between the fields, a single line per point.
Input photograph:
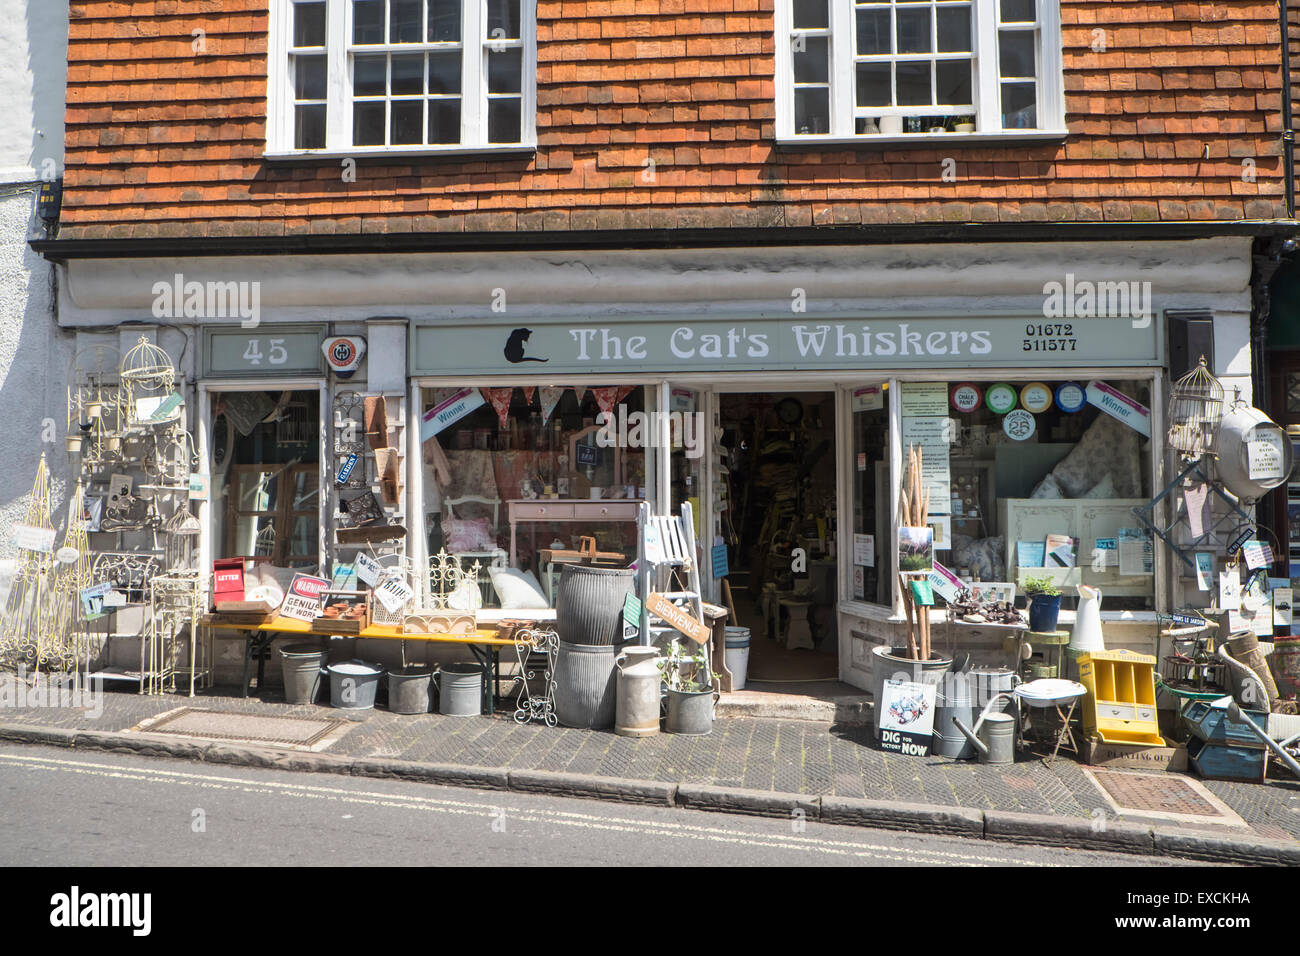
x=659 y=344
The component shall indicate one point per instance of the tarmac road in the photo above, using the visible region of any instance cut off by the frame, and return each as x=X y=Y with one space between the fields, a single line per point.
x=90 y=809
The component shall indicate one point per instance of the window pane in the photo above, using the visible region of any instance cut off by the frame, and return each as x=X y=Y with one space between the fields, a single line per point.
x=810 y=65
x=954 y=29
x=368 y=124
x=404 y=21
x=505 y=71
x=872 y=505
x=812 y=110
x=873 y=85
x=1015 y=11
x=368 y=21
x=309 y=127
x=309 y=24
x=444 y=21
x=1019 y=110
x=1016 y=53
x=444 y=72
x=913 y=30
x=309 y=77
x=444 y=121
x=913 y=84
x=368 y=74
x=874 y=34
x=953 y=82
x=503 y=15
x=408 y=122
x=408 y=74
x=503 y=119
x=810 y=15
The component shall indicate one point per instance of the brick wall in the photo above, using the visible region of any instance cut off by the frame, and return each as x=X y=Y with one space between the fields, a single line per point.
x=165 y=142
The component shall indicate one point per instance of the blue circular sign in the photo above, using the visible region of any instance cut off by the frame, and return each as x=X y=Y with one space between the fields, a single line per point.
x=1070 y=397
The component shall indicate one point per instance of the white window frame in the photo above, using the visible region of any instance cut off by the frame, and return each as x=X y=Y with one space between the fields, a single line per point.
x=987 y=87
x=339 y=49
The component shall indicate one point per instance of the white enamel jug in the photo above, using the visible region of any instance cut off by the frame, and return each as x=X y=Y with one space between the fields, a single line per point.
x=1086 y=635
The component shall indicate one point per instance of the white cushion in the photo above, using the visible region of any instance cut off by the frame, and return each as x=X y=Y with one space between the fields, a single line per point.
x=1103 y=489
x=518 y=590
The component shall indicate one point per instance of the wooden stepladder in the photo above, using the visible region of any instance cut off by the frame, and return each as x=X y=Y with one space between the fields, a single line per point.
x=666 y=544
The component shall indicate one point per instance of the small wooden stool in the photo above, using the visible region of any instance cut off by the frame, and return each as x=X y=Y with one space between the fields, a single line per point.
x=797 y=631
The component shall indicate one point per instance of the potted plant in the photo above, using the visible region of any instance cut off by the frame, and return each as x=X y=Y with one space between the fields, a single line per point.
x=689 y=690
x=1044 y=604
x=917 y=662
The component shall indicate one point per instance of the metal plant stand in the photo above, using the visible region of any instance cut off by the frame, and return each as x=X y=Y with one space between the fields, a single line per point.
x=176 y=601
x=536 y=649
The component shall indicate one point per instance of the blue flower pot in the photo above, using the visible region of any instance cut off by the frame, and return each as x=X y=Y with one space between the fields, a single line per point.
x=1043 y=612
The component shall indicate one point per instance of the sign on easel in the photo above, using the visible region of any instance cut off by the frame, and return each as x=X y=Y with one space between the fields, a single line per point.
x=677 y=618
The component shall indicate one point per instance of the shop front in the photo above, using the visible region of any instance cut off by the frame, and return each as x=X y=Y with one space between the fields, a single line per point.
x=788 y=436
x=777 y=391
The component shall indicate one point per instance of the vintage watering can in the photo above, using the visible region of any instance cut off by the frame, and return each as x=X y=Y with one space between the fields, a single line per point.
x=994 y=735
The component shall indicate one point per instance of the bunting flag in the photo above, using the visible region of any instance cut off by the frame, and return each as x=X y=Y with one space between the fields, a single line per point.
x=529 y=392
x=551 y=395
x=624 y=392
x=500 y=399
x=606 y=399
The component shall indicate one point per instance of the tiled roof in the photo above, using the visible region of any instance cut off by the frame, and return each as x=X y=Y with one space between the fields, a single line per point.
x=1179 y=119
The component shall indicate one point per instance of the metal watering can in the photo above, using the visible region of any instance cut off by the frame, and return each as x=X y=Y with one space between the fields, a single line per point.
x=994 y=735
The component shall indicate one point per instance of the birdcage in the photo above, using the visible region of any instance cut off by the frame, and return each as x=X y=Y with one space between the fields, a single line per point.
x=1195 y=410
x=147 y=374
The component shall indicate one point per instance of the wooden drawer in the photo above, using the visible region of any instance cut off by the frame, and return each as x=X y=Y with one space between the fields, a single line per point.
x=541 y=511
x=607 y=511
x=1108 y=710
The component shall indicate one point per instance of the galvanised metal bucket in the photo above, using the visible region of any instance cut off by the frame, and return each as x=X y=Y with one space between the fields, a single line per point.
x=301 y=665
x=953 y=698
x=589 y=604
x=354 y=684
x=410 y=690
x=460 y=690
x=586 y=694
x=690 y=713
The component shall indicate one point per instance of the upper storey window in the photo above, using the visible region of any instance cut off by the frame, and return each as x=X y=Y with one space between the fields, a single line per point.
x=850 y=69
x=370 y=76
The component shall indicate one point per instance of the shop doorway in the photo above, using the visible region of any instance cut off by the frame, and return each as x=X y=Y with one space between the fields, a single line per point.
x=265 y=462
x=778 y=472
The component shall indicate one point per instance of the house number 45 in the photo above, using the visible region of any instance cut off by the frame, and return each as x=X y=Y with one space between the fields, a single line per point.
x=276 y=354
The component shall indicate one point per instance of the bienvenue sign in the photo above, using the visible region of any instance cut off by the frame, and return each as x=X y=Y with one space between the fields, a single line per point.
x=656 y=343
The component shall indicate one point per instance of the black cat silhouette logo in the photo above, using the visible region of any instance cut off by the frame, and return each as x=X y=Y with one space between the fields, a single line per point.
x=514 y=349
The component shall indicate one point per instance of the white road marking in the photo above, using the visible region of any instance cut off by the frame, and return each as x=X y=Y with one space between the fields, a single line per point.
x=533 y=815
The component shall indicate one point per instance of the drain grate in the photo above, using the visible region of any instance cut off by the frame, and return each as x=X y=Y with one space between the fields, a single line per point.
x=1167 y=796
x=255 y=728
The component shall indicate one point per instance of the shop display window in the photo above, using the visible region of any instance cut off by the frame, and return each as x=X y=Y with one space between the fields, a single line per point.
x=551 y=445
x=1028 y=478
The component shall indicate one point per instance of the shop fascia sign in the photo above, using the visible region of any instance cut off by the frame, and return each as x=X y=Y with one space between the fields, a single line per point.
x=658 y=343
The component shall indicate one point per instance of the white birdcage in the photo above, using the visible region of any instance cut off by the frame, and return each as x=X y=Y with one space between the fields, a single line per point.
x=147 y=374
x=1195 y=410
